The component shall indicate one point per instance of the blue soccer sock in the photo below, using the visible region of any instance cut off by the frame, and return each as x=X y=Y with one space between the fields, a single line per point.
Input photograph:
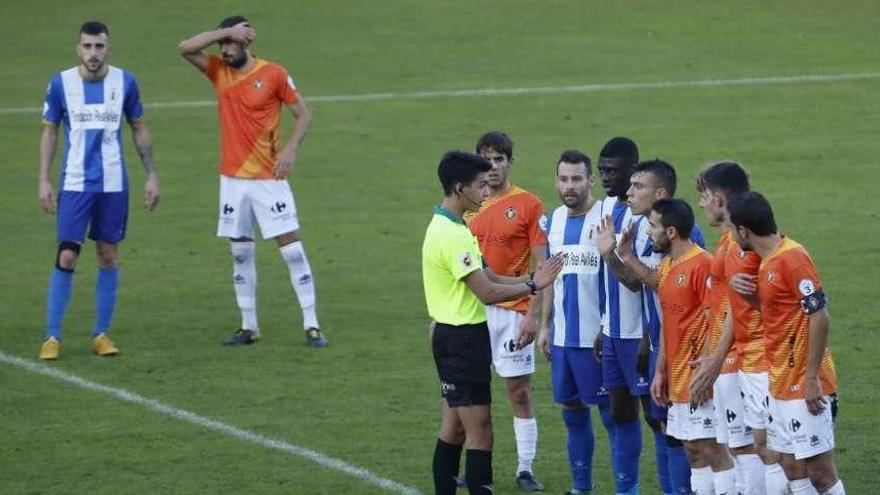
x=679 y=467
x=60 y=288
x=662 y=457
x=105 y=298
x=628 y=447
x=581 y=444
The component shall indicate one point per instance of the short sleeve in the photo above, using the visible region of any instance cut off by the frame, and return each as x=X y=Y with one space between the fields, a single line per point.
x=801 y=277
x=132 y=107
x=286 y=88
x=215 y=66
x=537 y=224
x=462 y=255
x=53 y=106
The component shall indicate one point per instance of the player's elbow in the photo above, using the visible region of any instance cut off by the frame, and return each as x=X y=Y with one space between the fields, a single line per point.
x=184 y=49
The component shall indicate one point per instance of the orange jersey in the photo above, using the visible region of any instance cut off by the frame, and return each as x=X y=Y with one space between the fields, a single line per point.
x=748 y=330
x=507 y=228
x=719 y=303
x=249 y=104
x=784 y=278
x=682 y=289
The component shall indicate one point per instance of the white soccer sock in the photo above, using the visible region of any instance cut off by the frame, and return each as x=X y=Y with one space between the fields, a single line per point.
x=302 y=281
x=526 y=432
x=775 y=480
x=244 y=280
x=802 y=486
x=725 y=481
x=836 y=489
x=701 y=481
x=741 y=482
x=752 y=470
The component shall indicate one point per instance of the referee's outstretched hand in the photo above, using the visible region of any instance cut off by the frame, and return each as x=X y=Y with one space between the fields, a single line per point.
x=548 y=270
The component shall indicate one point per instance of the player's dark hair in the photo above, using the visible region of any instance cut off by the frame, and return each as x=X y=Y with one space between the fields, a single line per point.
x=752 y=211
x=460 y=167
x=575 y=156
x=729 y=178
x=94 y=28
x=622 y=148
x=662 y=171
x=232 y=21
x=498 y=141
x=675 y=213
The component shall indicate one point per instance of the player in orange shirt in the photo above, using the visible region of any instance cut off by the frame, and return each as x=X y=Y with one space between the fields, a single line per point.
x=802 y=381
x=681 y=285
x=254 y=166
x=509 y=228
x=737 y=353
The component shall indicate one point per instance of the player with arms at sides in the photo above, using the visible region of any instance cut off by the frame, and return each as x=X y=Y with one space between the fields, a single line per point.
x=508 y=228
x=457 y=289
x=618 y=344
x=738 y=344
x=650 y=181
x=91 y=100
x=802 y=378
x=680 y=282
x=255 y=165
x=572 y=315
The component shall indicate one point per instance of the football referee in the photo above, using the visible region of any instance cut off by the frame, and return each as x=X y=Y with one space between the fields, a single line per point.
x=456 y=289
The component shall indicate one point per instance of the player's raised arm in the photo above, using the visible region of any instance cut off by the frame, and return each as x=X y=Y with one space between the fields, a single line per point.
x=192 y=48
x=48 y=142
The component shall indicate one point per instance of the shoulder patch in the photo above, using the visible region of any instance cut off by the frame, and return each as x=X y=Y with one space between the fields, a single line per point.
x=467 y=260
x=806 y=287
x=542 y=223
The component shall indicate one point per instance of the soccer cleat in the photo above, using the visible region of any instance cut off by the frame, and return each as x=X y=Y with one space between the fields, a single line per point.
x=50 y=349
x=243 y=337
x=103 y=346
x=314 y=338
x=575 y=491
x=526 y=482
x=461 y=482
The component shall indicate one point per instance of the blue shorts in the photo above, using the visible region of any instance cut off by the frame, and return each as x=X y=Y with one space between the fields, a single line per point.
x=619 y=361
x=657 y=412
x=105 y=215
x=576 y=375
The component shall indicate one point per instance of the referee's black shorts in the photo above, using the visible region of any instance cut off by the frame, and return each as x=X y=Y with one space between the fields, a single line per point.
x=463 y=357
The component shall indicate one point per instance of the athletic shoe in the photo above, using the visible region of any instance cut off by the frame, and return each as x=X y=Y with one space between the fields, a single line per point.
x=526 y=482
x=461 y=482
x=314 y=338
x=575 y=491
x=50 y=349
x=103 y=346
x=243 y=337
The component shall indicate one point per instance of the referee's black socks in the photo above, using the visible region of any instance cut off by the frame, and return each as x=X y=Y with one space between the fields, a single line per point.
x=446 y=459
x=478 y=471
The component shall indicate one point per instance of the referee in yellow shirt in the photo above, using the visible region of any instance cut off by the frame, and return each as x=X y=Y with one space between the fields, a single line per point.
x=456 y=289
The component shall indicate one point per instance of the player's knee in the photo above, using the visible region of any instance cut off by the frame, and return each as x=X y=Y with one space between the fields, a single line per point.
x=821 y=471
x=107 y=255
x=624 y=407
x=520 y=394
x=287 y=238
x=68 y=253
x=794 y=469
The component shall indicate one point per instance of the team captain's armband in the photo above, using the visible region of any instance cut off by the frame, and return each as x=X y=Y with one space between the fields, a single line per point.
x=813 y=300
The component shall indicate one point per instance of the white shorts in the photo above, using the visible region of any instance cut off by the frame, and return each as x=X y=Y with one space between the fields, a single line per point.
x=801 y=433
x=503 y=330
x=686 y=424
x=729 y=416
x=269 y=201
x=754 y=388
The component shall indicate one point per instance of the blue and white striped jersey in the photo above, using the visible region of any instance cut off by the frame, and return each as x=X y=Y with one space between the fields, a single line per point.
x=92 y=114
x=622 y=317
x=577 y=298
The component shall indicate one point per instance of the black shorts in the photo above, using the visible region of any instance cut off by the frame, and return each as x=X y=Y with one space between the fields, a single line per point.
x=463 y=357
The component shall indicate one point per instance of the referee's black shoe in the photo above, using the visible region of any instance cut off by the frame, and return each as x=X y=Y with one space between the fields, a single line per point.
x=314 y=338
x=243 y=337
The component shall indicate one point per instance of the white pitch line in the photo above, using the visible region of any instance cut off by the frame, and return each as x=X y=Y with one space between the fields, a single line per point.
x=547 y=90
x=323 y=460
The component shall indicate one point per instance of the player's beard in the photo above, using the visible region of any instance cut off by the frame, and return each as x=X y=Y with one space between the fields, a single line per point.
x=574 y=201
x=660 y=245
x=236 y=62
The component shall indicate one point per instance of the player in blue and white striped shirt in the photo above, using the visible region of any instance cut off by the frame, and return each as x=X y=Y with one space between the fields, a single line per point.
x=90 y=100
x=571 y=327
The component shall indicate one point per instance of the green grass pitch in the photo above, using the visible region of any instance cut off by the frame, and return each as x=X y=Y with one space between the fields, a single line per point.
x=365 y=183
